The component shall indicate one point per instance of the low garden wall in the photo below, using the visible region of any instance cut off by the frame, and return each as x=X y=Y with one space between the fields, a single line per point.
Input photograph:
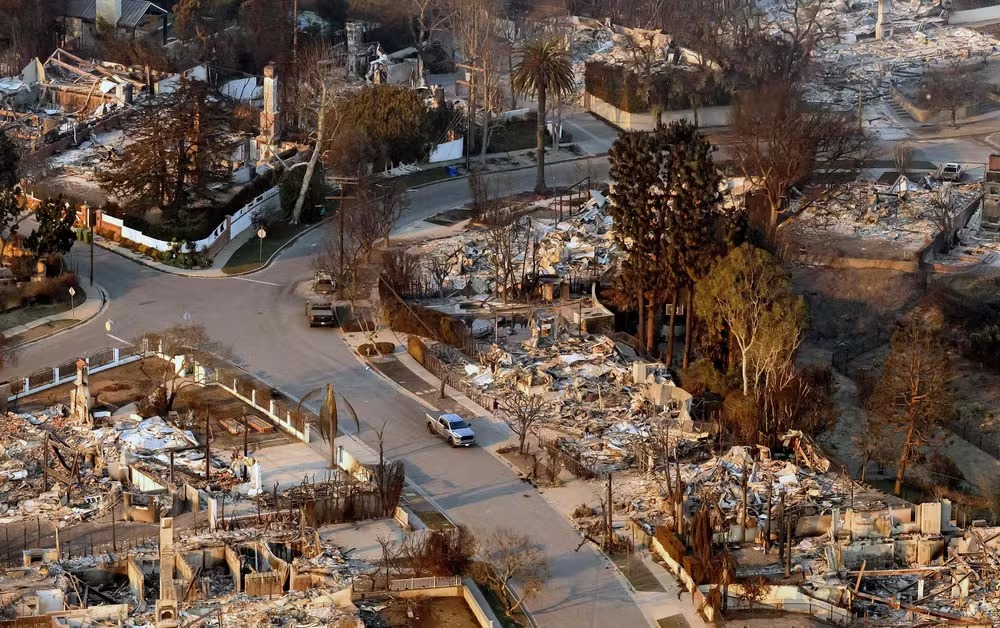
x=228 y=229
x=707 y=116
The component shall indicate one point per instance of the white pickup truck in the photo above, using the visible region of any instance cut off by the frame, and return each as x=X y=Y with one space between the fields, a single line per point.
x=452 y=427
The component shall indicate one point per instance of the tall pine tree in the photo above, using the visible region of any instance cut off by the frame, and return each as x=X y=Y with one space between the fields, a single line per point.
x=699 y=231
x=179 y=146
x=638 y=161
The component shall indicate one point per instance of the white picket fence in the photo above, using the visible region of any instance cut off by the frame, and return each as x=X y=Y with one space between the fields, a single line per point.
x=433 y=582
x=239 y=222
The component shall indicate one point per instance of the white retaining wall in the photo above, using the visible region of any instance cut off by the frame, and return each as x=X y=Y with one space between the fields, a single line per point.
x=236 y=224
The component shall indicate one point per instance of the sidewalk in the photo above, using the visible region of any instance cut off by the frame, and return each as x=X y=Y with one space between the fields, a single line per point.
x=97 y=301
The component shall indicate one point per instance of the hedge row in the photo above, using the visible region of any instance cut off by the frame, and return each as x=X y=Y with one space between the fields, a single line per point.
x=674 y=90
x=211 y=217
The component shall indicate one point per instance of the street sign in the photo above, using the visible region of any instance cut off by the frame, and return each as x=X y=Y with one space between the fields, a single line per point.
x=72 y=292
x=261 y=233
x=107 y=326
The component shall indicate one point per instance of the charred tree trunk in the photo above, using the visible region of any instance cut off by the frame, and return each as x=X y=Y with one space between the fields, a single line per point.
x=904 y=458
x=650 y=326
x=688 y=326
x=670 y=336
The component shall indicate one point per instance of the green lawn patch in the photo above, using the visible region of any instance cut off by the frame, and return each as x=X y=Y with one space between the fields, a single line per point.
x=28 y=313
x=254 y=253
x=430 y=175
x=493 y=599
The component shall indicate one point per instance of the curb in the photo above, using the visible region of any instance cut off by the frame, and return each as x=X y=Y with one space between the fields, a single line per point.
x=506 y=170
x=105 y=302
x=222 y=275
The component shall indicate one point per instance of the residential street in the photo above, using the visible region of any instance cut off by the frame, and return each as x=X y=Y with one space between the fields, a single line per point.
x=260 y=320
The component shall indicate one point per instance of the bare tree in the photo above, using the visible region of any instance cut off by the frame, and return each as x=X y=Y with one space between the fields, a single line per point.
x=948 y=89
x=318 y=79
x=390 y=553
x=183 y=346
x=400 y=269
x=942 y=211
x=389 y=477
x=391 y=200
x=902 y=156
x=521 y=411
x=438 y=267
x=511 y=558
x=913 y=393
x=474 y=25
x=779 y=142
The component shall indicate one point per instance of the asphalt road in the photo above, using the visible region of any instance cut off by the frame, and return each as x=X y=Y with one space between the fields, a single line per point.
x=260 y=320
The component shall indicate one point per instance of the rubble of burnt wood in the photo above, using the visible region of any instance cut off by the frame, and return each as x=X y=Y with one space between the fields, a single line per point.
x=791 y=520
x=262 y=576
x=479 y=259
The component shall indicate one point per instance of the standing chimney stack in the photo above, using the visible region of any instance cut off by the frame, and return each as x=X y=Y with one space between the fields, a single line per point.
x=110 y=11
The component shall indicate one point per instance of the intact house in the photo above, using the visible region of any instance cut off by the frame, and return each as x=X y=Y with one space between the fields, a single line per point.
x=129 y=17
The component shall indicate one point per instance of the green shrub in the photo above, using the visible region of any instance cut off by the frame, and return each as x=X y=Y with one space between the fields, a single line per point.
x=675 y=89
x=616 y=86
x=984 y=346
x=10 y=298
x=50 y=290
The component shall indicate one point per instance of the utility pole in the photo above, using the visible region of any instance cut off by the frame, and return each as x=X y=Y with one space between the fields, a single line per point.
x=114 y=536
x=341 y=183
x=208 y=449
x=767 y=534
x=743 y=524
x=472 y=71
x=788 y=547
x=90 y=223
x=610 y=514
x=781 y=536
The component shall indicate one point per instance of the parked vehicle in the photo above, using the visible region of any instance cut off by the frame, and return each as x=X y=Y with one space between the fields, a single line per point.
x=951 y=172
x=320 y=314
x=323 y=283
x=452 y=427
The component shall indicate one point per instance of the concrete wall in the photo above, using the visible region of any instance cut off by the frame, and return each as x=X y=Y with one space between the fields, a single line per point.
x=961 y=218
x=144 y=483
x=795 y=600
x=228 y=229
x=707 y=116
x=235 y=568
x=271 y=578
x=478 y=605
x=972 y=16
x=697 y=595
x=856 y=262
x=926 y=115
x=136 y=580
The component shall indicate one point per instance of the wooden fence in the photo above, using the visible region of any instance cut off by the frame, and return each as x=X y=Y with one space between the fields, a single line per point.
x=453 y=378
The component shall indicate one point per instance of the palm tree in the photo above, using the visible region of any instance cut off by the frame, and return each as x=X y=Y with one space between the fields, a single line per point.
x=545 y=66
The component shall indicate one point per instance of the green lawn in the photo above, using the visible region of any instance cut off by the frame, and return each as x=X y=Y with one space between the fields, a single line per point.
x=251 y=255
x=430 y=175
